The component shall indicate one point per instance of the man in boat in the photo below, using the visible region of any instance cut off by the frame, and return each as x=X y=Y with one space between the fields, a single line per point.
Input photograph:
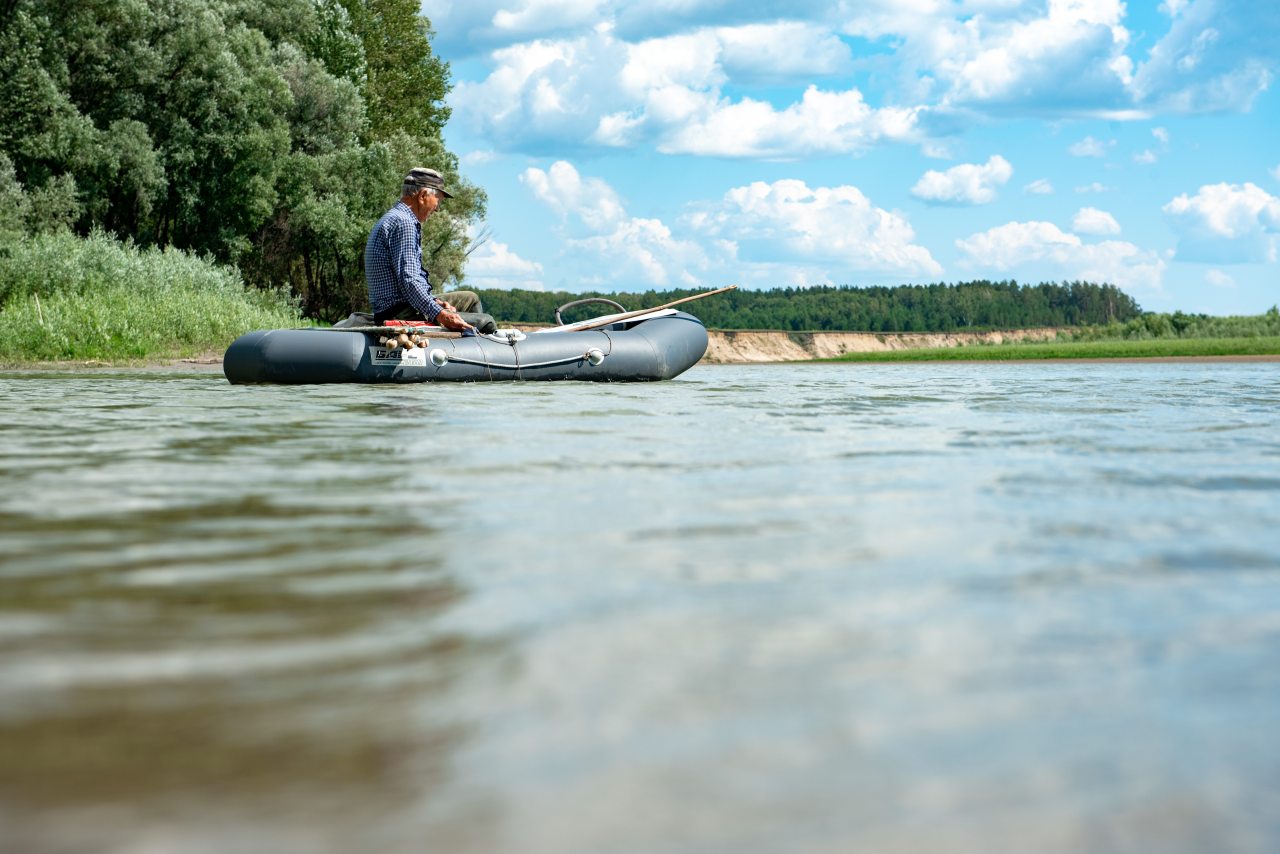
x=399 y=287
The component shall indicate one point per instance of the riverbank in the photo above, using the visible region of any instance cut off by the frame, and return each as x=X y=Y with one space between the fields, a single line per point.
x=213 y=364
x=728 y=346
x=1074 y=350
x=740 y=347
x=724 y=347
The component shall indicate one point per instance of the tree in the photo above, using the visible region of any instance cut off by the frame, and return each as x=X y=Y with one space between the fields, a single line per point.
x=269 y=133
x=405 y=83
x=907 y=308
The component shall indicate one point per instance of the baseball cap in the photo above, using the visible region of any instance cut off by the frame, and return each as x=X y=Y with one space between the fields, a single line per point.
x=420 y=176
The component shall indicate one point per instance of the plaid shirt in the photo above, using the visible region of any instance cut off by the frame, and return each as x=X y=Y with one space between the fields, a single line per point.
x=393 y=264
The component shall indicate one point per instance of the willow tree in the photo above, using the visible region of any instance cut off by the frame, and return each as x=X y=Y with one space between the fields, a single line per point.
x=267 y=133
x=367 y=105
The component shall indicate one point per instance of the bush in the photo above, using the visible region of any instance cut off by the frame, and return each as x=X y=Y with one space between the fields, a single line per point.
x=64 y=297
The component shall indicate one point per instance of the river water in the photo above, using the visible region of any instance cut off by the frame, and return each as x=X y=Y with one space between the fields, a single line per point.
x=809 y=608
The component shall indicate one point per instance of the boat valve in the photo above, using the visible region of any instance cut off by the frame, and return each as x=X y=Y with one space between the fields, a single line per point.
x=594 y=356
x=438 y=357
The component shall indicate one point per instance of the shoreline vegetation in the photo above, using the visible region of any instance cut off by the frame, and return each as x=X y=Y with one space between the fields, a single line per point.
x=730 y=347
x=68 y=299
x=96 y=300
x=1157 y=348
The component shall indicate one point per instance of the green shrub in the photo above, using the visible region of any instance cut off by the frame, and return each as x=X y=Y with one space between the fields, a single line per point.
x=1154 y=326
x=1106 y=349
x=63 y=297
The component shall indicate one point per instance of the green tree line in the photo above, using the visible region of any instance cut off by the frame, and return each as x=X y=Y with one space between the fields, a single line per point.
x=268 y=134
x=977 y=305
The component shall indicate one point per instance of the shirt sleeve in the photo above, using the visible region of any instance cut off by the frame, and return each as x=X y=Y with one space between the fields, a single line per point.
x=406 y=259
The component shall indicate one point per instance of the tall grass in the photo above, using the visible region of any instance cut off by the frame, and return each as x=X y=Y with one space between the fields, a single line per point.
x=68 y=298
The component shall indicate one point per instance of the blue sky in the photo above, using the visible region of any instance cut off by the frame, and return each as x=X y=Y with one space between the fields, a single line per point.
x=687 y=143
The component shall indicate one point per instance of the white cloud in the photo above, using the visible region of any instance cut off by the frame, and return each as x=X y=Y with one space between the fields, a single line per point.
x=1068 y=58
x=759 y=234
x=1021 y=62
x=837 y=227
x=966 y=184
x=494 y=265
x=680 y=74
x=782 y=50
x=1094 y=221
x=478 y=157
x=1095 y=187
x=1227 y=223
x=1041 y=250
x=640 y=19
x=1275 y=173
x=1218 y=56
x=1076 y=57
x=635 y=251
x=535 y=17
x=1088 y=147
x=1219 y=279
x=1150 y=155
x=644 y=251
x=462 y=29
x=1200 y=45
x=596 y=90
x=592 y=203
x=690 y=61
x=542 y=94
x=1016 y=242
x=820 y=123
x=1039 y=187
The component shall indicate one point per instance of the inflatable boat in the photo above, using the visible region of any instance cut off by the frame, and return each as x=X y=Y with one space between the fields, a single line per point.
x=633 y=346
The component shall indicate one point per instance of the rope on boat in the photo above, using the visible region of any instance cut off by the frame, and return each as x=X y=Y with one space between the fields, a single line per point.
x=395 y=337
x=594 y=355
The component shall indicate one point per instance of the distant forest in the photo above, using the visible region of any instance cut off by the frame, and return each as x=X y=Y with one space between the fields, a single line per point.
x=978 y=305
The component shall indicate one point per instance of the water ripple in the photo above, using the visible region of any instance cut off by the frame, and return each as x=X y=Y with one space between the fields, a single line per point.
x=812 y=607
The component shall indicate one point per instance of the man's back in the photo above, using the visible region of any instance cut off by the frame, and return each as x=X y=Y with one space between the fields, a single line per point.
x=390 y=254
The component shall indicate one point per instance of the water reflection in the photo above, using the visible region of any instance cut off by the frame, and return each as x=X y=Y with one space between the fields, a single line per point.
x=144 y=687
x=197 y=622
x=826 y=608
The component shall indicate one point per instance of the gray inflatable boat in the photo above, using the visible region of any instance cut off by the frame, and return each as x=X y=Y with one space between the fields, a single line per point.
x=638 y=346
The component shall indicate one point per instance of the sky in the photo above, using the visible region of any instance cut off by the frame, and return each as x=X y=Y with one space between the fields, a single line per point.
x=628 y=145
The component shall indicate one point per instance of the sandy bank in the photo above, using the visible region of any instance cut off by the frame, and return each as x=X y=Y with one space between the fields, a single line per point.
x=739 y=347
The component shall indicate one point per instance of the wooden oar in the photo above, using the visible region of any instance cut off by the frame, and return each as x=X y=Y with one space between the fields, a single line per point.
x=618 y=318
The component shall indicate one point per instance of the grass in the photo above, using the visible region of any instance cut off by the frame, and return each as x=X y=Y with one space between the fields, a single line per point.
x=64 y=298
x=1119 y=349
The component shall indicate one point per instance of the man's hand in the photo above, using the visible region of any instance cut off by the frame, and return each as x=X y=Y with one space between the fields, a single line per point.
x=450 y=320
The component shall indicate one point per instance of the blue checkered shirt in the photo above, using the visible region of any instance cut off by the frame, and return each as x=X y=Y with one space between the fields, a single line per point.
x=393 y=264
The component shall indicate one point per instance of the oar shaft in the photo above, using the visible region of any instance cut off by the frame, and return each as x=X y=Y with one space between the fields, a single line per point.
x=618 y=318
x=392 y=330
